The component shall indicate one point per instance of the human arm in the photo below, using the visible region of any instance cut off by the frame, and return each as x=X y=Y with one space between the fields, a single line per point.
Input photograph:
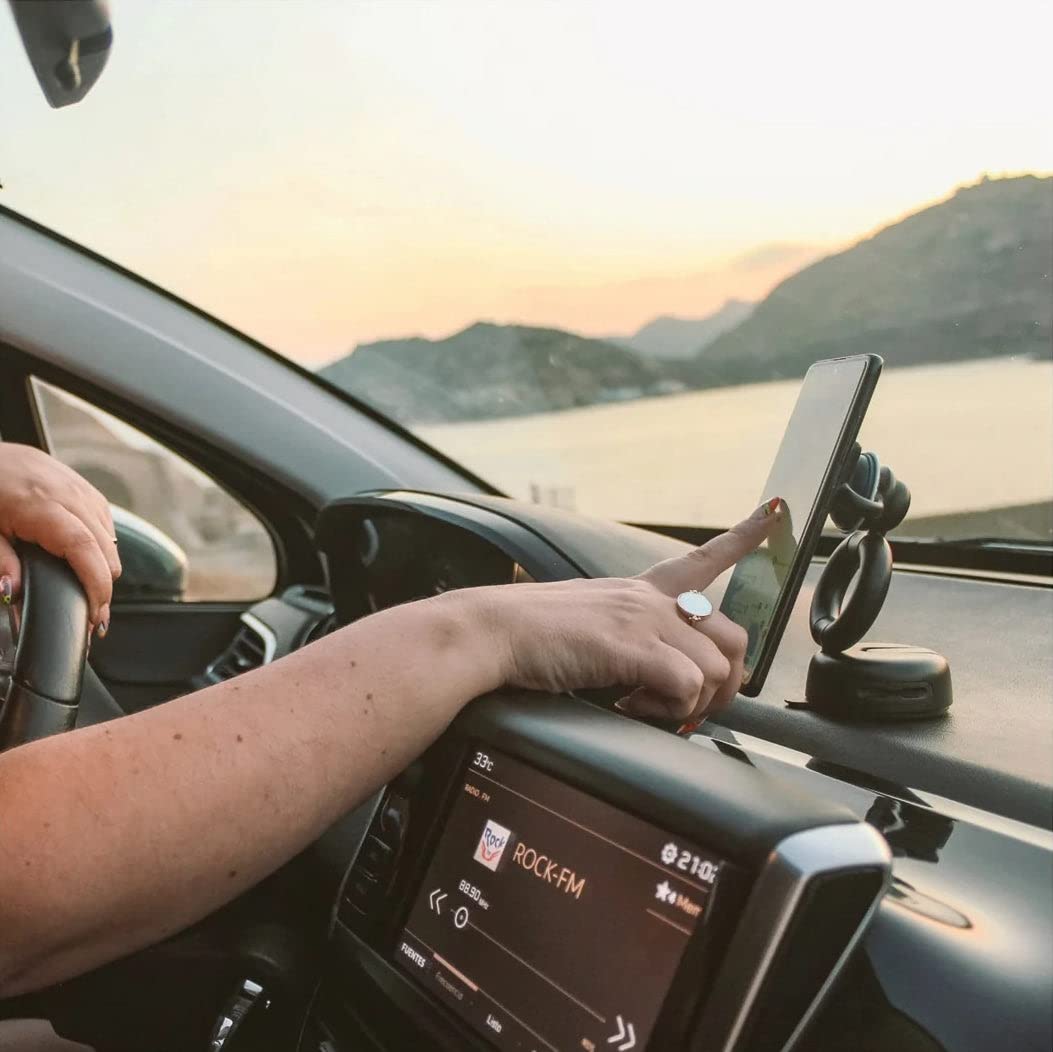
x=213 y=791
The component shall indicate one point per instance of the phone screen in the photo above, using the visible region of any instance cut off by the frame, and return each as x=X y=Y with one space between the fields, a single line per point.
x=810 y=460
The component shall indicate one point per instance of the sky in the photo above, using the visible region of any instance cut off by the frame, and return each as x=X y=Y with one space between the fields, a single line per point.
x=321 y=174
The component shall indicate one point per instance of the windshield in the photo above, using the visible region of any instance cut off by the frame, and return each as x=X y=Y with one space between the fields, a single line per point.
x=588 y=249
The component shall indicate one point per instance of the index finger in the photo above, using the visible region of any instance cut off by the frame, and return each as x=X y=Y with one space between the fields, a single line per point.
x=702 y=566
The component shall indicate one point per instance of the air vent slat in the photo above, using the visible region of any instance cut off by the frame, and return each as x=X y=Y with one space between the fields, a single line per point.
x=321 y=628
x=250 y=648
x=247 y=650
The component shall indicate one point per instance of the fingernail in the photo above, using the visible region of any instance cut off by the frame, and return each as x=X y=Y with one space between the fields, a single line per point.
x=622 y=704
x=104 y=627
x=690 y=727
x=769 y=507
x=647 y=707
x=6 y=590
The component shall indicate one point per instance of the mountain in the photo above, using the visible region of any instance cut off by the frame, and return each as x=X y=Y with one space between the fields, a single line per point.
x=966 y=278
x=671 y=337
x=490 y=370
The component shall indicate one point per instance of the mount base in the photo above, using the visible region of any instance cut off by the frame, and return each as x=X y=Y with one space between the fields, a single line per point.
x=880 y=681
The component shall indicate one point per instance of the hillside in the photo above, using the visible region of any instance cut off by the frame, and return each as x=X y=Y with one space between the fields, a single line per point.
x=671 y=337
x=492 y=370
x=966 y=278
x=969 y=277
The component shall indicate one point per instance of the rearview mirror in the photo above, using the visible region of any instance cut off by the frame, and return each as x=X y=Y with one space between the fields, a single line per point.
x=68 y=43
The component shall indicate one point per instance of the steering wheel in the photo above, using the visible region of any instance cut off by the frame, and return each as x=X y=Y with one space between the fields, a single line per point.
x=48 y=669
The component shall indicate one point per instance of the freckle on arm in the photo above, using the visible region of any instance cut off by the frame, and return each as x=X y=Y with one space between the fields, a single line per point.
x=177 y=737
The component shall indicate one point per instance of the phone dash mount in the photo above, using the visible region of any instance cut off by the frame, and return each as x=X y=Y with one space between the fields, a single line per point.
x=868 y=681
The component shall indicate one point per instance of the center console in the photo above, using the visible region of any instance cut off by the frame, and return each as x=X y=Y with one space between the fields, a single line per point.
x=560 y=878
x=552 y=876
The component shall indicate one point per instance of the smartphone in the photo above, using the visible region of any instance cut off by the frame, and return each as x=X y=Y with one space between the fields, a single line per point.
x=811 y=462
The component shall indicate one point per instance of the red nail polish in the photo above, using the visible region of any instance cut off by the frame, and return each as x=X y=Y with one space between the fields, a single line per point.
x=772 y=506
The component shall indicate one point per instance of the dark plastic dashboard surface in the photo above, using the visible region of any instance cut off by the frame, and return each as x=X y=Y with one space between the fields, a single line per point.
x=991 y=751
x=639 y=771
x=959 y=957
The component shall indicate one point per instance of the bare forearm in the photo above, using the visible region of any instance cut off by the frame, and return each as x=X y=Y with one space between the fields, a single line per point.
x=155 y=820
x=191 y=803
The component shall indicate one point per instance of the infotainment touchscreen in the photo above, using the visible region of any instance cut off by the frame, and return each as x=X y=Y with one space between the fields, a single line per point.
x=549 y=920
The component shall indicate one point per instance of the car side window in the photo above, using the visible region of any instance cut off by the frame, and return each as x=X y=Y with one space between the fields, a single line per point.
x=181 y=536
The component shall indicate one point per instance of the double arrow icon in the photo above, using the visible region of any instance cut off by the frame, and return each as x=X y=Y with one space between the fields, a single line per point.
x=626 y=1034
x=435 y=901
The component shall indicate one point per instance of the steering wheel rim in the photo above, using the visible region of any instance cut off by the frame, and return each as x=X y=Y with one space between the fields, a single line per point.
x=48 y=670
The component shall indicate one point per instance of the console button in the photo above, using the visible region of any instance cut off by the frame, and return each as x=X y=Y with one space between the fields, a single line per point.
x=375 y=857
x=362 y=890
x=394 y=814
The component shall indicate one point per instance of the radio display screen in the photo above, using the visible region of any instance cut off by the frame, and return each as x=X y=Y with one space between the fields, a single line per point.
x=549 y=920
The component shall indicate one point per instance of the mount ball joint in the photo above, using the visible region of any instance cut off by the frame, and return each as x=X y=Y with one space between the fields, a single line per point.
x=847 y=679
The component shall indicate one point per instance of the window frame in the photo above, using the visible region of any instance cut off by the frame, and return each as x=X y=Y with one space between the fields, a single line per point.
x=285 y=516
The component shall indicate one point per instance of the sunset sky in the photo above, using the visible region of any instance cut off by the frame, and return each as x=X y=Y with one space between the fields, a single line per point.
x=325 y=173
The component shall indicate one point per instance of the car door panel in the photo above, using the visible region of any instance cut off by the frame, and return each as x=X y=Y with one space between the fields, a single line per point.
x=154 y=652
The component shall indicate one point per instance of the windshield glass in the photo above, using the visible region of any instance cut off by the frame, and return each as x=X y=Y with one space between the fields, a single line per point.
x=588 y=249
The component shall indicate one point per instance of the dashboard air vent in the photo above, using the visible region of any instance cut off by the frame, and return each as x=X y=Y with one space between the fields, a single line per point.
x=321 y=628
x=252 y=647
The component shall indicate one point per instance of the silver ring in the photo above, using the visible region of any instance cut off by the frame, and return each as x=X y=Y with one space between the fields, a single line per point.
x=693 y=606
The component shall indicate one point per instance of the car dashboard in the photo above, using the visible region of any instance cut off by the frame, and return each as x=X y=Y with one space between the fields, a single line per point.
x=399 y=558
x=553 y=875
x=518 y=888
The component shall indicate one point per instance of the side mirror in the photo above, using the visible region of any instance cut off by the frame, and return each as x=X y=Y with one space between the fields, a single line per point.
x=153 y=566
x=68 y=43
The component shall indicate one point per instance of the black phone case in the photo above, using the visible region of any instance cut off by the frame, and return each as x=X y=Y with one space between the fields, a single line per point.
x=814 y=526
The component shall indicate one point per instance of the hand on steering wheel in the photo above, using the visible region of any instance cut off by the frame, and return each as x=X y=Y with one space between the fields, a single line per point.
x=46 y=503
